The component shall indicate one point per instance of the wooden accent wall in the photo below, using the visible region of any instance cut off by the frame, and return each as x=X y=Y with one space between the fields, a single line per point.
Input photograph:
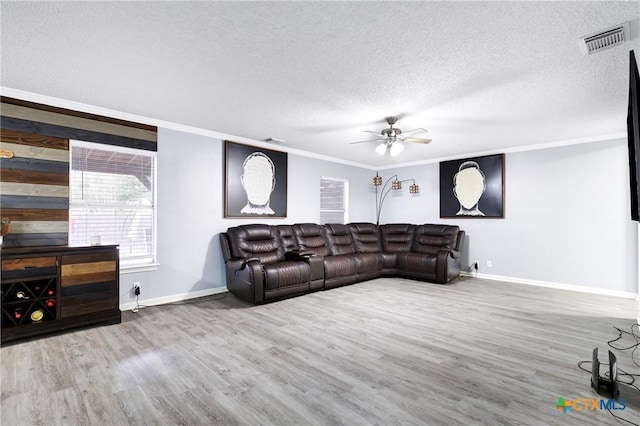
x=42 y=119
x=34 y=189
x=34 y=183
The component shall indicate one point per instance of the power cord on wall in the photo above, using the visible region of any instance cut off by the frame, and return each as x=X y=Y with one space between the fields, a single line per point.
x=137 y=307
x=472 y=270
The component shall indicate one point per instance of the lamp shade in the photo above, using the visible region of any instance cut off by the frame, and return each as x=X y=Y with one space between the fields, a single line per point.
x=381 y=149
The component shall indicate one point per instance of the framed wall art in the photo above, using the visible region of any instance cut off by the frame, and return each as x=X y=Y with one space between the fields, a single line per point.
x=472 y=187
x=255 y=182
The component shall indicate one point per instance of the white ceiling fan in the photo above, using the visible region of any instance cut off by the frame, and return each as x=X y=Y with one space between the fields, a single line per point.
x=391 y=139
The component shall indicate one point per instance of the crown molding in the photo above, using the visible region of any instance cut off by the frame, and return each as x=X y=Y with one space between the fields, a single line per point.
x=92 y=109
x=524 y=148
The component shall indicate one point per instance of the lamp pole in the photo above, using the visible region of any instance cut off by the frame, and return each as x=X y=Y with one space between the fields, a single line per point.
x=395 y=186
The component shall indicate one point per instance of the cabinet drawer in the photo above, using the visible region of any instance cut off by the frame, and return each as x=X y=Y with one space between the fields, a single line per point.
x=29 y=267
x=27 y=263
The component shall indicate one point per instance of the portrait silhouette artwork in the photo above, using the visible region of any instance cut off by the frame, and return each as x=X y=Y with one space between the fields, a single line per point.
x=255 y=181
x=258 y=180
x=468 y=187
x=472 y=187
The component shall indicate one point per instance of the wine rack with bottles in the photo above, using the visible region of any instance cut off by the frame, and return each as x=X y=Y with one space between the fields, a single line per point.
x=53 y=288
x=26 y=302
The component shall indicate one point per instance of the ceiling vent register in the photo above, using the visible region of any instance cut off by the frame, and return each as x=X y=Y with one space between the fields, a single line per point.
x=606 y=39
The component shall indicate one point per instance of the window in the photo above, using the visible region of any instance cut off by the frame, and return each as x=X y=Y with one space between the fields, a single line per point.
x=334 y=200
x=112 y=200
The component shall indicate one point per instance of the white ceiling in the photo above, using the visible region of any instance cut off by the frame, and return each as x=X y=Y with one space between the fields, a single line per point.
x=481 y=76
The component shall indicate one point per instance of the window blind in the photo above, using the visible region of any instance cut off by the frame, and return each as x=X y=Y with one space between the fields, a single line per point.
x=112 y=199
x=333 y=200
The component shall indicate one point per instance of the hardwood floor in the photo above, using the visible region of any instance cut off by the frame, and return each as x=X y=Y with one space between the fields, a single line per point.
x=387 y=351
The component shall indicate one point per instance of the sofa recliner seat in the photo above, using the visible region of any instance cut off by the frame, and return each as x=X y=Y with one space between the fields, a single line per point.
x=367 y=266
x=338 y=270
x=433 y=255
x=395 y=238
x=265 y=263
x=258 y=268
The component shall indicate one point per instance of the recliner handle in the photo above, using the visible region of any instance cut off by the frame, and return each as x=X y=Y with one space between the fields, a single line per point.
x=245 y=262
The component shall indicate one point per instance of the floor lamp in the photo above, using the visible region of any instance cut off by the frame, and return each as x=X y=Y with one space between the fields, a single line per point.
x=396 y=185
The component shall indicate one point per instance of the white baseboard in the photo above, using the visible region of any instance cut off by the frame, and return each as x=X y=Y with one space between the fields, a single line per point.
x=173 y=298
x=571 y=287
x=560 y=286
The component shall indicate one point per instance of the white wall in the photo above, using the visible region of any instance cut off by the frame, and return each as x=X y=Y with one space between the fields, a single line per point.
x=567 y=218
x=190 y=199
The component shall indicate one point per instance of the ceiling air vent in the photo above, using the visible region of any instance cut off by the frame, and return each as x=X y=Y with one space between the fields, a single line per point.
x=604 y=39
x=274 y=140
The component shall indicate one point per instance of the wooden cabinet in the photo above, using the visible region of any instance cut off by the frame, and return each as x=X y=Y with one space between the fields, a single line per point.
x=46 y=289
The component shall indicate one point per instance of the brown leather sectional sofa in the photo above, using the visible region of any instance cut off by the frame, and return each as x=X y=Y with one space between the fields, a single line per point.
x=270 y=262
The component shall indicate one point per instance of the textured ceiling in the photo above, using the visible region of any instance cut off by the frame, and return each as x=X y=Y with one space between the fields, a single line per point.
x=481 y=76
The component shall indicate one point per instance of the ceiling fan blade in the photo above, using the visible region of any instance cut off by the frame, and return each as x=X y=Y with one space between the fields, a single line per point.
x=371 y=131
x=419 y=129
x=418 y=140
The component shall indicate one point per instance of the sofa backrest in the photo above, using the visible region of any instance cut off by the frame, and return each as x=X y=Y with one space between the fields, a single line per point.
x=432 y=238
x=259 y=241
x=397 y=237
x=339 y=239
x=310 y=237
x=287 y=237
x=366 y=237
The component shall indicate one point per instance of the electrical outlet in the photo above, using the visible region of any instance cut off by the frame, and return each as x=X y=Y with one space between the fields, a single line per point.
x=489 y=264
x=136 y=288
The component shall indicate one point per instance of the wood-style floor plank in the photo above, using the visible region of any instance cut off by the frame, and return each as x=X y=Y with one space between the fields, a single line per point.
x=383 y=352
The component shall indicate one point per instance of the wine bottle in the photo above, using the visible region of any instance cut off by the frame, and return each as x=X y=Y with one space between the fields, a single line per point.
x=21 y=295
x=50 y=302
x=17 y=313
x=50 y=292
x=37 y=315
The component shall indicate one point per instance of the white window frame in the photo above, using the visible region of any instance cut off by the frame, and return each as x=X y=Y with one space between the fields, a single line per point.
x=127 y=265
x=345 y=194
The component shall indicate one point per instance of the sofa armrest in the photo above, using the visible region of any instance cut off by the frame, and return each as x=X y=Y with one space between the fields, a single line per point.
x=245 y=262
x=447 y=265
x=315 y=262
x=455 y=254
x=248 y=275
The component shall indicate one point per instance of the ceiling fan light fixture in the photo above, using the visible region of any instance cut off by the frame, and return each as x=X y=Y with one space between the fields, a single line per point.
x=396 y=149
x=390 y=139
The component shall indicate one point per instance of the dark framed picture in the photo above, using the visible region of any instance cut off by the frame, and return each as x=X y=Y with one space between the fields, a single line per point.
x=472 y=188
x=255 y=181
